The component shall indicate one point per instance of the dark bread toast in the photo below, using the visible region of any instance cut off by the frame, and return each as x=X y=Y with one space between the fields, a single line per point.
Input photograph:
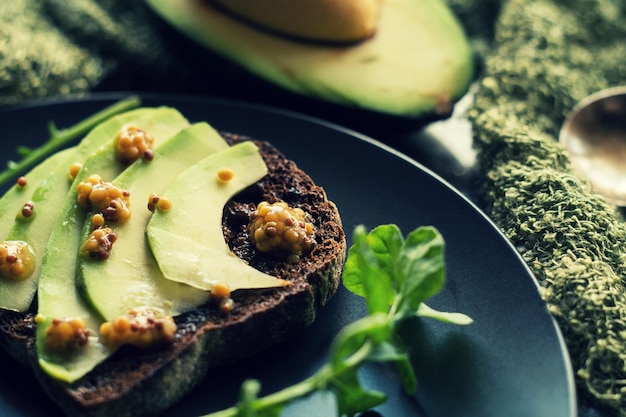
x=144 y=383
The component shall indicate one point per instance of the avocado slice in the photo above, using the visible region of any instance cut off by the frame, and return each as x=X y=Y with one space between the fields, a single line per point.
x=14 y=198
x=417 y=64
x=57 y=295
x=43 y=185
x=131 y=270
x=193 y=224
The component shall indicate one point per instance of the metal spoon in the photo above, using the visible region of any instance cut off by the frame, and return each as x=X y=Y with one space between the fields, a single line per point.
x=594 y=134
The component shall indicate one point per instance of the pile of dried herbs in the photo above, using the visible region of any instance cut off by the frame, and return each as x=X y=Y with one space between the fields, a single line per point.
x=545 y=56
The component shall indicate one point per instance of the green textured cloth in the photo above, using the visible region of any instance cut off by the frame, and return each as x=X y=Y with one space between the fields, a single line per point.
x=59 y=47
x=37 y=59
x=546 y=56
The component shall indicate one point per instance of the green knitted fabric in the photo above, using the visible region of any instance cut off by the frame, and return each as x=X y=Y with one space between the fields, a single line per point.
x=68 y=47
x=547 y=55
x=37 y=59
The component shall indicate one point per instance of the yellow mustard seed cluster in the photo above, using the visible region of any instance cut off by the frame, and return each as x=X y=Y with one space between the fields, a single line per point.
x=67 y=334
x=17 y=260
x=99 y=243
x=141 y=327
x=282 y=230
x=103 y=196
x=133 y=143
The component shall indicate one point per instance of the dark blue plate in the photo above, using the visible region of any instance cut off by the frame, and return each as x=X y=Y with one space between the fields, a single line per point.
x=510 y=362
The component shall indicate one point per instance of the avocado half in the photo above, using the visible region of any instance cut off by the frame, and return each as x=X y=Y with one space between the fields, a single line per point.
x=418 y=62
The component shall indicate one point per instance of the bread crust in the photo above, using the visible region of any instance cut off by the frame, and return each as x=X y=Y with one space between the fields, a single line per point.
x=127 y=386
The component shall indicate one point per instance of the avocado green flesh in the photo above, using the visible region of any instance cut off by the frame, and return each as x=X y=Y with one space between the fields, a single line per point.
x=194 y=223
x=58 y=296
x=418 y=62
x=47 y=187
x=18 y=295
x=15 y=197
x=131 y=269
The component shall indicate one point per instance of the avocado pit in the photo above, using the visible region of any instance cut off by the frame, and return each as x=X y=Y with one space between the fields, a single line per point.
x=326 y=21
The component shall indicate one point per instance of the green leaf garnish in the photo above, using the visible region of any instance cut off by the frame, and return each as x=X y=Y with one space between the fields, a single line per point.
x=395 y=276
x=422 y=268
x=370 y=269
x=352 y=398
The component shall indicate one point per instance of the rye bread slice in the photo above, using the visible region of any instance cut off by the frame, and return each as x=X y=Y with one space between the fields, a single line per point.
x=145 y=383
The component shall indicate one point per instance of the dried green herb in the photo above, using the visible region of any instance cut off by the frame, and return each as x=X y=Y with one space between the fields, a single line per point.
x=36 y=59
x=547 y=55
x=54 y=48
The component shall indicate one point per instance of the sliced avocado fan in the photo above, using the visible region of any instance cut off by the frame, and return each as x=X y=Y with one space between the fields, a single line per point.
x=130 y=270
x=173 y=271
x=57 y=293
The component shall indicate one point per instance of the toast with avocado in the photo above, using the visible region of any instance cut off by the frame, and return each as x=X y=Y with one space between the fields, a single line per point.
x=276 y=260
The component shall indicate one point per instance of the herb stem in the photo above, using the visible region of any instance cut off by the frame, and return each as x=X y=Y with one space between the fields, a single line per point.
x=299 y=390
x=394 y=306
x=60 y=138
x=373 y=338
x=318 y=381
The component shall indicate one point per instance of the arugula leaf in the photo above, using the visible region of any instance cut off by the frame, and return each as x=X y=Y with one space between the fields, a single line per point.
x=422 y=267
x=388 y=270
x=369 y=269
